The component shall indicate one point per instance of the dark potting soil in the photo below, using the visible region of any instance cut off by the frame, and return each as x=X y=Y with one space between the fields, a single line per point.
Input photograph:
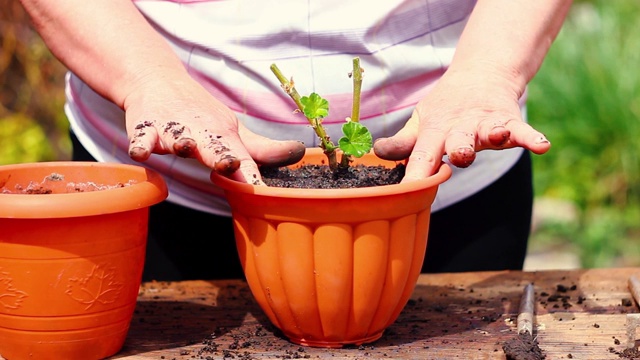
x=322 y=177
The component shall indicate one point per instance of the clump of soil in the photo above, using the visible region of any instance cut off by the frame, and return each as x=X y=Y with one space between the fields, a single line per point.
x=322 y=177
x=629 y=354
x=561 y=298
x=52 y=184
x=523 y=347
x=91 y=186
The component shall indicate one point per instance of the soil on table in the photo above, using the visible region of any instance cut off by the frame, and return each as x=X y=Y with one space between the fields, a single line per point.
x=523 y=347
x=629 y=354
x=322 y=177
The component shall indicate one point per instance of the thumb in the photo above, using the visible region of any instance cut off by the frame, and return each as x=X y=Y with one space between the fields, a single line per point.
x=400 y=145
x=270 y=152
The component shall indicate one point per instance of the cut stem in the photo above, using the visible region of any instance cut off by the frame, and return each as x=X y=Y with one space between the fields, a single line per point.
x=356 y=74
x=357 y=88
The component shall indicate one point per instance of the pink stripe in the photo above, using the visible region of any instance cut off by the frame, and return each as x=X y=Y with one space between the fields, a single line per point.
x=385 y=99
x=99 y=124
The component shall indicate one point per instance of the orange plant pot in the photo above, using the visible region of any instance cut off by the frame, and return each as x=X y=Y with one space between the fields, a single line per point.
x=71 y=262
x=332 y=267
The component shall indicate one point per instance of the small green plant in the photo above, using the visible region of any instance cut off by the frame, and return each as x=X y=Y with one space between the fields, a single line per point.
x=356 y=140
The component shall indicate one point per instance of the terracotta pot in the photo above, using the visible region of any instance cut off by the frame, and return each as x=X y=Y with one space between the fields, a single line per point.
x=332 y=267
x=71 y=263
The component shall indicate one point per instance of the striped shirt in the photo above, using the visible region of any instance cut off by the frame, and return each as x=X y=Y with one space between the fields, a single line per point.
x=228 y=46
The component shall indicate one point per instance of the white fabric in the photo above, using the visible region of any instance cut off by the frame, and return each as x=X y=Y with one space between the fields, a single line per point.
x=228 y=46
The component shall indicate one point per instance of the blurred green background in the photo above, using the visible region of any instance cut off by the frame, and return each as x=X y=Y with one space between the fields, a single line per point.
x=33 y=125
x=586 y=99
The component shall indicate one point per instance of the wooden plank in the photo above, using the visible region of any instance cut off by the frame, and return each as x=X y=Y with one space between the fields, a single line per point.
x=580 y=315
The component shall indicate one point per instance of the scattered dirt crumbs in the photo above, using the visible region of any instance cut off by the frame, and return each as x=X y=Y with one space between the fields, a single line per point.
x=246 y=343
x=523 y=347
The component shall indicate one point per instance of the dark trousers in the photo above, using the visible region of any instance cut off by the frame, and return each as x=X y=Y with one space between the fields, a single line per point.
x=487 y=231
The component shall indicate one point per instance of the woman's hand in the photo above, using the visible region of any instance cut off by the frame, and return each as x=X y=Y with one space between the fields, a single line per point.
x=474 y=106
x=112 y=47
x=175 y=115
x=461 y=116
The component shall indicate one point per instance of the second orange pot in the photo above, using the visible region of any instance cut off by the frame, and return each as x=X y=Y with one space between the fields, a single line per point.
x=72 y=250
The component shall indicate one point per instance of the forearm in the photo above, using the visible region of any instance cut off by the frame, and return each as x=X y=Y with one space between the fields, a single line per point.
x=107 y=43
x=509 y=38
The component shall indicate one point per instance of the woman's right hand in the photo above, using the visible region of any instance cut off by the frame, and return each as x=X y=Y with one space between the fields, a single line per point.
x=170 y=113
x=112 y=48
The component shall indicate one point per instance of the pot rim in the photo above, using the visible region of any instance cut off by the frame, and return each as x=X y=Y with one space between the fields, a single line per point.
x=227 y=184
x=149 y=189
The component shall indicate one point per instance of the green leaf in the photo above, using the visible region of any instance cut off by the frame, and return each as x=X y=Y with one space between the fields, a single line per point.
x=315 y=107
x=357 y=139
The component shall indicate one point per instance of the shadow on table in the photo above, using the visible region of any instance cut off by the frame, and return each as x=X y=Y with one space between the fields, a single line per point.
x=489 y=304
x=478 y=308
x=162 y=324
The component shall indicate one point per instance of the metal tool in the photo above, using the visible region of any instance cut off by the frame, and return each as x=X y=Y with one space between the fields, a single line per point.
x=633 y=320
x=524 y=345
x=524 y=322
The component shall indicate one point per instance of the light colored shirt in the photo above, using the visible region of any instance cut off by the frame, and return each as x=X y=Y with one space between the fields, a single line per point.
x=228 y=46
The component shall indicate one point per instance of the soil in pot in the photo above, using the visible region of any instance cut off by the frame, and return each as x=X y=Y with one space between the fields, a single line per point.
x=71 y=259
x=55 y=183
x=322 y=177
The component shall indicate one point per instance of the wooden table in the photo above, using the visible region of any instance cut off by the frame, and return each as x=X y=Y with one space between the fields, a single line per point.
x=580 y=314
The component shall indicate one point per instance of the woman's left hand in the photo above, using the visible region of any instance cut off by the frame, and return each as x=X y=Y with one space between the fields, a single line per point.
x=461 y=116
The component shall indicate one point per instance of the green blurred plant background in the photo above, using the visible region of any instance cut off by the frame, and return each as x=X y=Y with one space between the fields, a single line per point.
x=33 y=125
x=586 y=99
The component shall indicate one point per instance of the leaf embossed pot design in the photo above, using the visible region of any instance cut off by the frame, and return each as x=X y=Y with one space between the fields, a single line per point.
x=331 y=267
x=72 y=250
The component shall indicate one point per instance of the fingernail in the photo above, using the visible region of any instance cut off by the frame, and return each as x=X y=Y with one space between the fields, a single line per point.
x=499 y=139
x=463 y=157
x=184 y=147
x=542 y=140
x=138 y=152
x=227 y=165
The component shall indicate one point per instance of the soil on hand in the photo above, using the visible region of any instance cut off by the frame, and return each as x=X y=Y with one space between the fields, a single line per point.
x=523 y=347
x=322 y=177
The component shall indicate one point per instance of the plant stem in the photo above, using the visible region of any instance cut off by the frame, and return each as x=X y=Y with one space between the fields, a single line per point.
x=325 y=143
x=287 y=86
x=356 y=74
x=357 y=86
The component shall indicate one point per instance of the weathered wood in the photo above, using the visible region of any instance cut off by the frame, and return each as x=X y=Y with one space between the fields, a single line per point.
x=580 y=314
x=634 y=287
x=633 y=320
